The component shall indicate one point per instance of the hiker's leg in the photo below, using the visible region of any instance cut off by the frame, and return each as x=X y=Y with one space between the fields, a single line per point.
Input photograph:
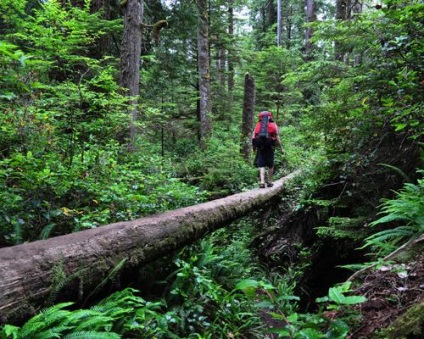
x=262 y=174
x=270 y=173
x=270 y=165
x=261 y=165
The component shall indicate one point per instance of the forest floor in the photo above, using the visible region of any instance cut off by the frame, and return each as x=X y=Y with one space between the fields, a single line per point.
x=390 y=291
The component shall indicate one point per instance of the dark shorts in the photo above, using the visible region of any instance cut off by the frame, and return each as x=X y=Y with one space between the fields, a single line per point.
x=265 y=157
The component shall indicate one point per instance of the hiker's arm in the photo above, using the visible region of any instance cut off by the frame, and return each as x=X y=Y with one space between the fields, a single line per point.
x=277 y=138
x=280 y=143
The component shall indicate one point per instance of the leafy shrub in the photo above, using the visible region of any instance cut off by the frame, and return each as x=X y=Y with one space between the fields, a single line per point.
x=219 y=167
x=41 y=197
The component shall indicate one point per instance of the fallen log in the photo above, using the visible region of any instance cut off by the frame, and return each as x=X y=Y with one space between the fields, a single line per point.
x=31 y=272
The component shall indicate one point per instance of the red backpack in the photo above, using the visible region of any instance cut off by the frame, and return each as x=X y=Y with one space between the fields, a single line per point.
x=265 y=131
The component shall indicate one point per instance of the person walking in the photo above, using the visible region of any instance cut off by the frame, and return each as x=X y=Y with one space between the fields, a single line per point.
x=265 y=138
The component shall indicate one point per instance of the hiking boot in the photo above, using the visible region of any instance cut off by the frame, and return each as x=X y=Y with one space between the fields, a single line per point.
x=262 y=186
x=269 y=184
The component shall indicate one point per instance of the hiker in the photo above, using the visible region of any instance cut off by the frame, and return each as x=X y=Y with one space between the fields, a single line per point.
x=264 y=139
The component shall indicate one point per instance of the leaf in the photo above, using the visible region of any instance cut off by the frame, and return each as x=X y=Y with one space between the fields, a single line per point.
x=353 y=300
x=336 y=295
x=247 y=283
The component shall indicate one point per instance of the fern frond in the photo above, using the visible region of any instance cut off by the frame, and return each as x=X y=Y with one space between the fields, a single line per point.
x=45 y=319
x=124 y=298
x=398 y=170
x=92 y=335
x=84 y=319
x=45 y=232
x=408 y=208
x=60 y=283
x=387 y=218
x=398 y=232
x=94 y=323
x=112 y=274
x=55 y=332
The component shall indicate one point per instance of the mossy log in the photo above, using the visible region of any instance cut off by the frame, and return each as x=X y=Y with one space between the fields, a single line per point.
x=31 y=272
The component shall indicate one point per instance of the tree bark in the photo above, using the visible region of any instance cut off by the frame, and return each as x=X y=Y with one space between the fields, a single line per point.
x=205 y=106
x=341 y=14
x=29 y=272
x=130 y=59
x=278 y=23
x=230 y=56
x=311 y=16
x=247 y=118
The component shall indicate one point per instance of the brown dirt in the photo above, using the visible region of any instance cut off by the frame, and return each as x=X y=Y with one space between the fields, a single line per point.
x=390 y=291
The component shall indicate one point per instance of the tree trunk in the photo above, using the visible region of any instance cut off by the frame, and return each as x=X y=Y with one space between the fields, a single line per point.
x=29 y=272
x=247 y=118
x=205 y=108
x=229 y=104
x=310 y=9
x=230 y=56
x=130 y=59
x=278 y=23
x=341 y=14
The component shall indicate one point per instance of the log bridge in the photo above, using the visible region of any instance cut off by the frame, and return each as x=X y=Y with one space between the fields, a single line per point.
x=31 y=272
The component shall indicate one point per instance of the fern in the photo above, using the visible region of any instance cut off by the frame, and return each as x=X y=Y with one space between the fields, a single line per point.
x=341 y=228
x=112 y=274
x=44 y=320
x=398 y=170
x=52 y=333
x=92 y=335
x=60 y=280
x=89 y=320
x=407 y=208
x=45 y=232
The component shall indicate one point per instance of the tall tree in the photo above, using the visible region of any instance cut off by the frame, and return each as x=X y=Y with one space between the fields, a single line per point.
x=130 y=58
x=230 y=60
x=247 y=118
x=311 y=16
x=341 y=14
x=278 y=22
x=203 y=62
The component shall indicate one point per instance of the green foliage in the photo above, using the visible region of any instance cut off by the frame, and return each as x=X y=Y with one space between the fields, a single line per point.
x=269 y=67
x=220 y=166
x=56 y=322
x=202 y=292
x=292 y=324
x=201 y=301
x=408 y=210
x=64 y=166
x=41 y=197
x=341 y=228
x=337 y=298
x=112 y=317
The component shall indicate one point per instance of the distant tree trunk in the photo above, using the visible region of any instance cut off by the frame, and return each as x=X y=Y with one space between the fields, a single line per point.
x=289 y=27
x=230 y=63
x=310 y=9
x=105 y=44
x=220 y=64
x=74 y=265
x=344 y=10
x=341 y=14
x=205 y=106
x=278 y=23
x=130 y=59
x=230 y=57
x=247 y=118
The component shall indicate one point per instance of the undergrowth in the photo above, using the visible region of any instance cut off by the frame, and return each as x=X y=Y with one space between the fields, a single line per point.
x=218 y=290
